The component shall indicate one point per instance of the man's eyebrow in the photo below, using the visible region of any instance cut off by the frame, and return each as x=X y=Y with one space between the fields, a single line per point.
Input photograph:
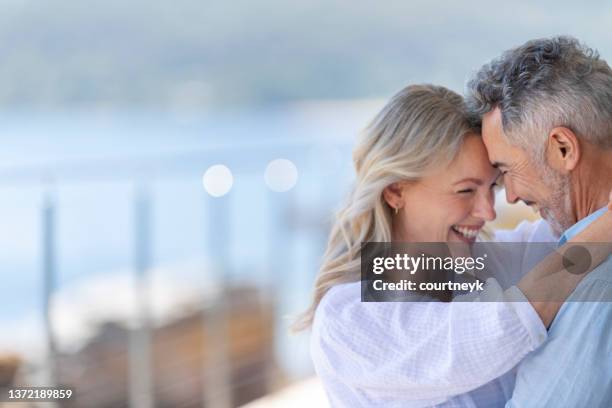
x=471 y=179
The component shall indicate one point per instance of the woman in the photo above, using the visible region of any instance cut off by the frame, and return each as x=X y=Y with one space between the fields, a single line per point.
x=423 y=176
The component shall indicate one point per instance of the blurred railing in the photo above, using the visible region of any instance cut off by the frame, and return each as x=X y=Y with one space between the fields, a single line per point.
x=143 y=173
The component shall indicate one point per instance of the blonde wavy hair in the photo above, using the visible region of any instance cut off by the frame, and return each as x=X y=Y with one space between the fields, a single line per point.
x=421 y=127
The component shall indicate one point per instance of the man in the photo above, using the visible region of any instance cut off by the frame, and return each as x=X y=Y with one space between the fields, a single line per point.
x=546 y=112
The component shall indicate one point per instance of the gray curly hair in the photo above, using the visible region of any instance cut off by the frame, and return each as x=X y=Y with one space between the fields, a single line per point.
x=543 y=84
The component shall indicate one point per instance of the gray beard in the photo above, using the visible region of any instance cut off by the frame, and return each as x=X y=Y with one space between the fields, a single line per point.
x=559 y=206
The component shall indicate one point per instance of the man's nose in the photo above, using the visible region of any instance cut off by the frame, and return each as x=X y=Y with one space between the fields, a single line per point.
x=485 y=207
x=511 y=196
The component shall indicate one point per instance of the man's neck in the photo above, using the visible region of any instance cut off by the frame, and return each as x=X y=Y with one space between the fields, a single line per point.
x=592 y=184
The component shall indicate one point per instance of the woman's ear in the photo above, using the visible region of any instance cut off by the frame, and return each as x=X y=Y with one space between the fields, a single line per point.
x=393 y=195
x=563 y=149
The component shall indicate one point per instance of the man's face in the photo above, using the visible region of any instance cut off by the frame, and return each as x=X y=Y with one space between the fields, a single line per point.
x=537 y=186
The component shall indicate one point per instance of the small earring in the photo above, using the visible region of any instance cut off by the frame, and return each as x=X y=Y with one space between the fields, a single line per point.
x=396 y=210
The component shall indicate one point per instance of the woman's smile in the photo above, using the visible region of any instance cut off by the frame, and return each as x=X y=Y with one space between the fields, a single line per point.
x=466 y=233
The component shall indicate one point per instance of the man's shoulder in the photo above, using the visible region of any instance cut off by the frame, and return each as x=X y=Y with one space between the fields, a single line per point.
x=603 y=271
x=599 y=280
x=592 y=297
x=587 y=313
x=565 y=370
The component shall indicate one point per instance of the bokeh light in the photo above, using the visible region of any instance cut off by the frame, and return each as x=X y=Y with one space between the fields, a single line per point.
x=218 y=180
x=281 y=175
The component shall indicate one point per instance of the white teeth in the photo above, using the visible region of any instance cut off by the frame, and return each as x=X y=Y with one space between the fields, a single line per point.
x=467 y=232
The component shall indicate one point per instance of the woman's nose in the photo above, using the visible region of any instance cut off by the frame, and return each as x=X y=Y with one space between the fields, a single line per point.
x=484 y=206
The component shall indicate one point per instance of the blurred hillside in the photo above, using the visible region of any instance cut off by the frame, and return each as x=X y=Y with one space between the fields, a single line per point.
x=144 y=53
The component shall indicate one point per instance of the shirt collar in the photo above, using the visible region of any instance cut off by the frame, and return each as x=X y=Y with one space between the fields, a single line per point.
x=575 y=229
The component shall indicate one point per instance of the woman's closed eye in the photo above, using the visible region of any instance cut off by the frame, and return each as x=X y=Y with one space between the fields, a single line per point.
x=498 y=183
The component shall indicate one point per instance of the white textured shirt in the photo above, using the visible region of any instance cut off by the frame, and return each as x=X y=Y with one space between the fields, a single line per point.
x=423 y=354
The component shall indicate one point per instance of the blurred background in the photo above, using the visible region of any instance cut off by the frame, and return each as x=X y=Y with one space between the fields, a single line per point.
x=169 y=171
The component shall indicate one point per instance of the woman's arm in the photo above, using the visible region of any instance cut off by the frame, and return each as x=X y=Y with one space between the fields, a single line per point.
x=419 y=351
x=550 y=283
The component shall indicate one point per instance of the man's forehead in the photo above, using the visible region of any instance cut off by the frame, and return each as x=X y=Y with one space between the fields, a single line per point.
x=493 y=132
x=492 y=122
x=492 y=135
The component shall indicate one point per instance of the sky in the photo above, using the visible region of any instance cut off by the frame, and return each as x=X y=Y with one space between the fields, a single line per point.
x=195 y=55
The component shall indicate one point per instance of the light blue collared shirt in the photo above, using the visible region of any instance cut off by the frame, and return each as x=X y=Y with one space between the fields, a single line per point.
x=573 y=368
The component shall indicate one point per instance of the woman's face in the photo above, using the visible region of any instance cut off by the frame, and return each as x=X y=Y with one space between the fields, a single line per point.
x=449 y=205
